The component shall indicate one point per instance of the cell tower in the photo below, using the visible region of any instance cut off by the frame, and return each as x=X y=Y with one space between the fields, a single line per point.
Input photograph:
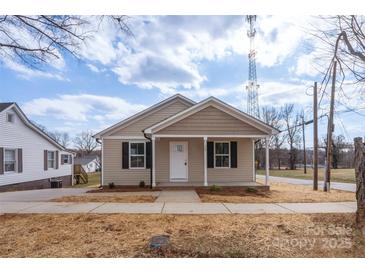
x=252 y=86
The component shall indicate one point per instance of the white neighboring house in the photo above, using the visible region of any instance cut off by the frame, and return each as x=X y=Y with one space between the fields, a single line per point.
x=90 y=163
x=28 y=156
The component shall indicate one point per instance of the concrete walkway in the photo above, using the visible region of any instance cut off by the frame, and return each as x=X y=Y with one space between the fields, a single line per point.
x=178 y=196
x=176 y=208
x=334 y=185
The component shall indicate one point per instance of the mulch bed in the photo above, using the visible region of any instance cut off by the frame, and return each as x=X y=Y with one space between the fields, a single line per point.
x=233 y=191
x=123 y=189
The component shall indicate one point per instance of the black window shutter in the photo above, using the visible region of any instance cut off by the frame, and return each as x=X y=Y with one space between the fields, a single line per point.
x=233 y=154
x=20 y=160
x=125 y=158
x=1 y=160
x=210 y=154
x=148 y=155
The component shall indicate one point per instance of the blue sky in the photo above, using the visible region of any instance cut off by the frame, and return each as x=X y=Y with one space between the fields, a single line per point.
x=195 y=56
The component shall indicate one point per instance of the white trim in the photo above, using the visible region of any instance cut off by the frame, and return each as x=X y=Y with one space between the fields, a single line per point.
x=212 y=101
x=137 y=155
x=132 y=118
x=229 y=155
x=253 y=161
x=54 y=159
x=102 y=162
x=187 y=161
x=124 y=138
x=267 y=162
x=205 y=161
x=153 y=161
x=209 y=136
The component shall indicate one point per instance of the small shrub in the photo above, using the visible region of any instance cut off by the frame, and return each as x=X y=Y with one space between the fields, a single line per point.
x=111 y=185
x=142 y=184
x=251 y=190
x=215 y=188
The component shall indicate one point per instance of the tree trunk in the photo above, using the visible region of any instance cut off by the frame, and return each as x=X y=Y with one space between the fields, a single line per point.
x=360 y=183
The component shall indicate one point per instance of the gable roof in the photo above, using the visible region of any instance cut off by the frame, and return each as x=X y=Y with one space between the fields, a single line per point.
x=85 y=159
x=4 y=106
x=212 y=101
x=135 y=117
x=28 y=123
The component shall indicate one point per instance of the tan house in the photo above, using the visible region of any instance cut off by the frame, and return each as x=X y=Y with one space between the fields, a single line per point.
x=179 y=142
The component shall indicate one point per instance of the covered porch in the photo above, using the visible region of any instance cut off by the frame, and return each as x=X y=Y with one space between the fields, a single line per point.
x=205 y=160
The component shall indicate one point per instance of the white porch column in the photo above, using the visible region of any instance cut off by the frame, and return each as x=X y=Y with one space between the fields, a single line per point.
x=153 y=161
x=267 y=161
x=205 y=162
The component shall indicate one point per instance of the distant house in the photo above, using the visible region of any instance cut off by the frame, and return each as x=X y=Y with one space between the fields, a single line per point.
x=179 y=142
x=90 y=163
x=28 y=156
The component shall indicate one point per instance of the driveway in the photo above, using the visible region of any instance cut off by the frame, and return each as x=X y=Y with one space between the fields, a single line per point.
x=334 y=185
x=40 y=195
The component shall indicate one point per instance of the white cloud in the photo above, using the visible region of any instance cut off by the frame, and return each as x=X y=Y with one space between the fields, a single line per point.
x=82 y=108
x=28 y=73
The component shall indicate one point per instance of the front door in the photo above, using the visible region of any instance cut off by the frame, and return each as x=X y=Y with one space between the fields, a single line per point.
x=179 y=161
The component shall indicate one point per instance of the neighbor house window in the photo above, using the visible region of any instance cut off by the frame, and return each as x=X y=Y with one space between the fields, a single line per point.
x=10 y=117
x=65 y=159
x=137 y=155
x=9 y=160
x=51 y=159
x=221 y=151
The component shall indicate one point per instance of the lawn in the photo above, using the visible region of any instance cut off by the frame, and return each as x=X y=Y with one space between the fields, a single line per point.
x=94 y=181
x=127 y=235
x=278 y=193
x=337 y=175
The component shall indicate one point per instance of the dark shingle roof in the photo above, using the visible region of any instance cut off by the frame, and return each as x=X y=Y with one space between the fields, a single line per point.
x=4 y=106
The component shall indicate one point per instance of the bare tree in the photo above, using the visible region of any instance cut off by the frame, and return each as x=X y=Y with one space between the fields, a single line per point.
x=291 y=121
x=85 y=142
x=40 y=39
x=62 y=138
x=343 y=40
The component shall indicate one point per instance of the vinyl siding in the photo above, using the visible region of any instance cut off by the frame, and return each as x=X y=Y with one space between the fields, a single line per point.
x=112 y=166
x=211 y=121
x=113 y=171
x=136 y=127
x=18 y=135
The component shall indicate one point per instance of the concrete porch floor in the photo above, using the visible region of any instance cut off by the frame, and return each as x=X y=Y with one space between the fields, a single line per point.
x=194 y=184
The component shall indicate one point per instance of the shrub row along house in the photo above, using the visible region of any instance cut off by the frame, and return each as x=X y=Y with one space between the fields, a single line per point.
x=179 y=142
x=28 y=156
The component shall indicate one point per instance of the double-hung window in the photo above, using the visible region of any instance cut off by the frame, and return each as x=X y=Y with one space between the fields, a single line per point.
x=10 y=160
x=221 y=154
x=137 y=156
x=65 y=159
x=51 y=159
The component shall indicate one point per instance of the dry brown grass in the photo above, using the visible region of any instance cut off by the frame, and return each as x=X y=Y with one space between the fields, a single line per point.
x=279 y=193
x=106 y=199
x=123 y=235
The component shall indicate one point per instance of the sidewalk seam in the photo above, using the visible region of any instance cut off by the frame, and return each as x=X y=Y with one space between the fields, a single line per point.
x=230 y=212
x=90 y=211
x=285 y=207
x=162 y=208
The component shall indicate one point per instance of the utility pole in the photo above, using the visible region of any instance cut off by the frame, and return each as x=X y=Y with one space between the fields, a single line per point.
x=326 y=186
x=315 y=138
x=305 y=154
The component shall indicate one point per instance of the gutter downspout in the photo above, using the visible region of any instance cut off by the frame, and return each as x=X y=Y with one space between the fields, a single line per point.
x=101 y=170
x=149 y=138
